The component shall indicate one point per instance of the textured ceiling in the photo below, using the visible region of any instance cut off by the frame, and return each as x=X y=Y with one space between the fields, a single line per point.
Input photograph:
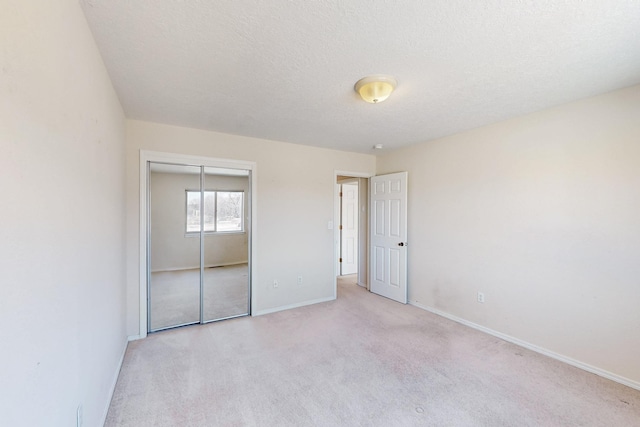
x=285 y=70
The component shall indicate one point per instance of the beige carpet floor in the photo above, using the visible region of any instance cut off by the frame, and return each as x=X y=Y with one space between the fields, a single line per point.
x=361 y=360
x=175 y=295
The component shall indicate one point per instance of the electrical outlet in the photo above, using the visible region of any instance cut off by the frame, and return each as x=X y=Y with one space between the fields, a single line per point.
x=79 y=416
x=480 y=297
x=299 y=280
x=275 y=283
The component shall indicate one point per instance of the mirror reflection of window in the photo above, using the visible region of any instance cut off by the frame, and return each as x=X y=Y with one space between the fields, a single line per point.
x=229 y=211
x=223 y=211
x=193 y=211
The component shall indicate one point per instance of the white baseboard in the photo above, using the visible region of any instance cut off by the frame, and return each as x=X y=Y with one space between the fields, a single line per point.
x=226 y=264
x=112 y=389
x=135 y=337
x=584 y=366
x=290 y=306
x=362 y=285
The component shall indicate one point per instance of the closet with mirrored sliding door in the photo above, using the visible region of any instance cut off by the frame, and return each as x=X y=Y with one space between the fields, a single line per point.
x=198 y=244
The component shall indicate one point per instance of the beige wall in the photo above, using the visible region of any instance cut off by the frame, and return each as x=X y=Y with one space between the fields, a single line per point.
x=294 y=204
x=171 y=248
x=62 y=295
x=542 y=214
x=363 y=238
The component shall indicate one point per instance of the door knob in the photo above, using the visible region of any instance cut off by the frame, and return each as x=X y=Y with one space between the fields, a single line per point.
x=401 y=244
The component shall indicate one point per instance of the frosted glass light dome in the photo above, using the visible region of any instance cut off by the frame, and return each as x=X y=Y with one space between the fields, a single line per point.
x=375 y=89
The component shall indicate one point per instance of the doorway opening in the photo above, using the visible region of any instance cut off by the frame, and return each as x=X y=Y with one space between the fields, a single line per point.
x=351 y=218
x=382 y=237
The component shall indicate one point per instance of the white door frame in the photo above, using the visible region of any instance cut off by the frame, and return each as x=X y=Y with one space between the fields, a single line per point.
x=336 y=221
x=157 y=156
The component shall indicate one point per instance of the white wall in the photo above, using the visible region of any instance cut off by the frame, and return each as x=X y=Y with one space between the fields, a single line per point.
x=542 y=214
x=294 y=204
x=171 y=249
x=62 y=295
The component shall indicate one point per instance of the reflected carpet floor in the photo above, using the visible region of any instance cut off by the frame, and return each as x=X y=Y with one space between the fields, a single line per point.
x=175 y=295
x=361 y=360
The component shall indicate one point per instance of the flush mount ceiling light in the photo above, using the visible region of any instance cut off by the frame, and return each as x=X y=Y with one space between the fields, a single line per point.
x=375 y=89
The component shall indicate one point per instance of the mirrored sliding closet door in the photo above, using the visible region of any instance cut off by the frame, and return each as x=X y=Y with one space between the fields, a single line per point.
x=198 y=244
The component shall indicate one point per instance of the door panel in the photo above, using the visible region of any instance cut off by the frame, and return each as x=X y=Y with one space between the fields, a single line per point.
x=379 y=263
x=225 y=271
x=378 y=219
x=349 y=230
x=394 y=218
x=174 y=246
x=394 y=267
x=388 y=236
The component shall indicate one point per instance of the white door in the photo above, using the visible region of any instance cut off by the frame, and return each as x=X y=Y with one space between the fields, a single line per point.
x=349 y=229
x=388 y=207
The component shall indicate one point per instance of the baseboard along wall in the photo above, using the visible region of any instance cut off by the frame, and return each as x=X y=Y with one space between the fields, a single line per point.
x=112 y=388
x=227 y=264
x=584 y=366
x=290 y=306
